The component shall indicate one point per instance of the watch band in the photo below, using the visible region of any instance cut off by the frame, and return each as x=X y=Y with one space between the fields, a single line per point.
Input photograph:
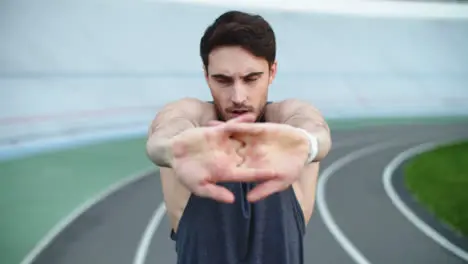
x=313 y=146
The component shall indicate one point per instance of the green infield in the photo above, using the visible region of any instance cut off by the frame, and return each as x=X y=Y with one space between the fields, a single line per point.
x=439 y=181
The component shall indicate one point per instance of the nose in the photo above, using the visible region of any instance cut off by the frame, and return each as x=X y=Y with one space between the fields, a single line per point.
x=239 y=94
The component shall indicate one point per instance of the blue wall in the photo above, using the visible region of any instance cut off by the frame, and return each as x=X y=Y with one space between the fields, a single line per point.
x=69 y=67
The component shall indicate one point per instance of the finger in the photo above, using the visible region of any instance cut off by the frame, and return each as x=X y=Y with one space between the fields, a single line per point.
x=245 y=118
x=235 y=148
x=264 y=190
x=244 y=128
x=216 y=192
x=248 y=117
x=242 y=174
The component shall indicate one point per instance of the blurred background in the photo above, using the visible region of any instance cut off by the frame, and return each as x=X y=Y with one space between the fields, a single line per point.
x=80 y=82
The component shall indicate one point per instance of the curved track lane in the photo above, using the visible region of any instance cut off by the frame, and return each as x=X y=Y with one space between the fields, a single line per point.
x=354 y=219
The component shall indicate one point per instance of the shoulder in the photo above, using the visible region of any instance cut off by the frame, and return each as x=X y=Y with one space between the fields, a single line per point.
x=282 y=110
x=188 y=107
x=291 y=104
x=186 y=103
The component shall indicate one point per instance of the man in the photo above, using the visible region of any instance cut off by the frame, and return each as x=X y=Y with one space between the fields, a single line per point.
x=239 y=173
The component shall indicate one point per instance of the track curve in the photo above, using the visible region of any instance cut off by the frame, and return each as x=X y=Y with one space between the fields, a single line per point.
x=353 y=210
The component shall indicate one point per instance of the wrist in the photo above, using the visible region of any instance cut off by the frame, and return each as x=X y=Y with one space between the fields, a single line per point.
x=313 y=146
x=161 y=152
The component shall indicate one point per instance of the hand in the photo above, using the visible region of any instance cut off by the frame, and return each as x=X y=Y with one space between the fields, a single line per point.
x=268 y=146
x=206 y=155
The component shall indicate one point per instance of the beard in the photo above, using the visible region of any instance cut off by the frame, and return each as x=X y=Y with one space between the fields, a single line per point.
x=223 y=114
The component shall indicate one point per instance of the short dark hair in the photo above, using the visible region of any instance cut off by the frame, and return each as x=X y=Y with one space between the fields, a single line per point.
x=235 y=28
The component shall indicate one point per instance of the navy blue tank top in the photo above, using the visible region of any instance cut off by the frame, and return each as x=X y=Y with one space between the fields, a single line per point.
x=270 y=231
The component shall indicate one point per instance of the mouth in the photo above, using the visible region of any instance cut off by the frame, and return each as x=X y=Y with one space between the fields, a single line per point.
x=239 y=112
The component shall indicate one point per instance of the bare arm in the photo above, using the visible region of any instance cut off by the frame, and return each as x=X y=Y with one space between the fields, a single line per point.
x=303 y=115
x=173 y=119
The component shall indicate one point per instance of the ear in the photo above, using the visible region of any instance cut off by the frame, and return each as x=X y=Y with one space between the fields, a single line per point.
x=273 y=70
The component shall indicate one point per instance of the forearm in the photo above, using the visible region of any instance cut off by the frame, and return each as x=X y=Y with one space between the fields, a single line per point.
x=302 y=115
x=159 y=144
x=172 y=120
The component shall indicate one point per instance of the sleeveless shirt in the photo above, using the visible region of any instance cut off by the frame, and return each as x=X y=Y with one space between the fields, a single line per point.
x=269 y=231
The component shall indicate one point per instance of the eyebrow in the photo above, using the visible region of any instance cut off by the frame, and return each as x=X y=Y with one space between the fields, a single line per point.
x=222 y=76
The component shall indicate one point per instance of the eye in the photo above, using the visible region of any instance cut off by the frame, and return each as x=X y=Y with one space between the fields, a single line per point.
x=251 y=79
x=224 y=80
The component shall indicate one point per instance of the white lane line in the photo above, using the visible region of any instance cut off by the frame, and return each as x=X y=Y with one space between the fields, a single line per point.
x=145 y=242
x=400 y=205
x=327 y=218
x=67 y=220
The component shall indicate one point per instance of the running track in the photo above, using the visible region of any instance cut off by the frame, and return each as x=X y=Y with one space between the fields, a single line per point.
x=354 y=221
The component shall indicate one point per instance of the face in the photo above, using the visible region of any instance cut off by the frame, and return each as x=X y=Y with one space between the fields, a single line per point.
x=238 y=81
